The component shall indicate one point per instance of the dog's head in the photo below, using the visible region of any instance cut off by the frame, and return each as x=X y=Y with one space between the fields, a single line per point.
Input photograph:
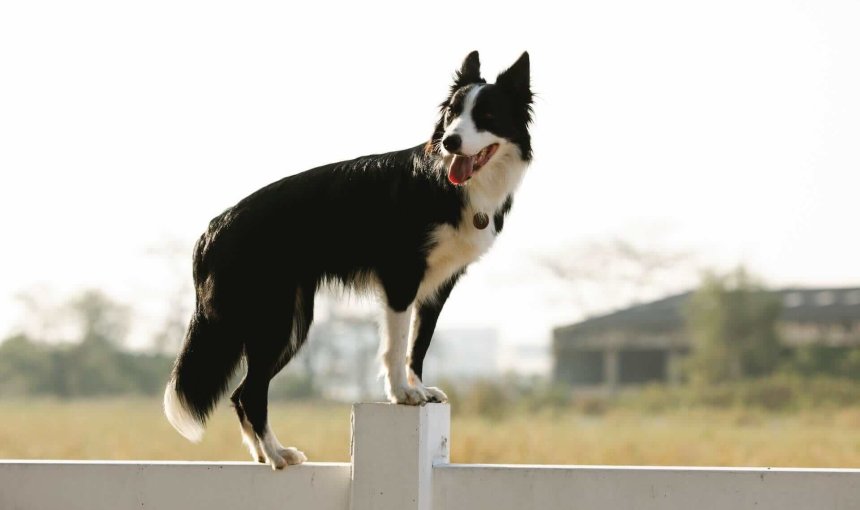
x=480 y=121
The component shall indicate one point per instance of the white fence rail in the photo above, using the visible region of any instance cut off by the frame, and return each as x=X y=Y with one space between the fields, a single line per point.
x=400 y=461
x=457 y=487
x=46 y=485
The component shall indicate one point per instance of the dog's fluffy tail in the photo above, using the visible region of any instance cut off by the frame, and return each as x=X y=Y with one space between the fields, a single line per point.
x=200 y=376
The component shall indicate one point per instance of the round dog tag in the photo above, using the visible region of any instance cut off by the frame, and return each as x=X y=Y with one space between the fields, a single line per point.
x=480 y=220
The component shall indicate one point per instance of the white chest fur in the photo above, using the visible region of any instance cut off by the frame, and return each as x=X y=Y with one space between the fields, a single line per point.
x=455 y=248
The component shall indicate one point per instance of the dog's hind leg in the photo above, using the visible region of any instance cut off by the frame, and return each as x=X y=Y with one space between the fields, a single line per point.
x=253 y=401
x=248 y=435
x=266 y=356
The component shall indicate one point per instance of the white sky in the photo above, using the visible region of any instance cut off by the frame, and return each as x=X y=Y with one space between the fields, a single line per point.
x=730 y=128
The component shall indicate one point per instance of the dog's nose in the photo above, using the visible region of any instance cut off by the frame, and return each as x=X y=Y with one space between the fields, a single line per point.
x=452 y=143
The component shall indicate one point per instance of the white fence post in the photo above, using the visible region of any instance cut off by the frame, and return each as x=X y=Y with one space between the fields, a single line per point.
x=394 y=448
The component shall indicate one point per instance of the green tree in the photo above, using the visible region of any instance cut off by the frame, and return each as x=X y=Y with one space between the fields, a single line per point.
x=102 y=321
x=93 y=366
x=25 y=367
x=732 y=322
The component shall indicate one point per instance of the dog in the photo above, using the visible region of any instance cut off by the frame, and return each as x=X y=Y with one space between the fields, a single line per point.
x=404 y=224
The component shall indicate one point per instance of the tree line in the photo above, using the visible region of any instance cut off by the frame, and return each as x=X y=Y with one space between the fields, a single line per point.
x=732 y=320
x=96 y=363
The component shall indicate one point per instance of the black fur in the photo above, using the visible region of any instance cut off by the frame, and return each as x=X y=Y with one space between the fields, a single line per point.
x=499 y=217
x=259 y=264
x=429 y=313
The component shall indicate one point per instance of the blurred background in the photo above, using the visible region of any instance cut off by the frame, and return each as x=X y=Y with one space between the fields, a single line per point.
x=677 y=282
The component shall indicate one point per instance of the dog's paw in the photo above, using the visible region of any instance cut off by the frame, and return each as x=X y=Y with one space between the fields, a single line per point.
x=286 y=457
x=409 y=395
x=435 y=395
x=293 y=456
x=276 y=461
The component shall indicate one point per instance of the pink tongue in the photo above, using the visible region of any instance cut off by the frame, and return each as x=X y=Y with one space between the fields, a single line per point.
x=461 y=169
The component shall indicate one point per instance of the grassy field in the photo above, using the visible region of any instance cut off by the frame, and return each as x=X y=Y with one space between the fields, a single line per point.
x=136 y=429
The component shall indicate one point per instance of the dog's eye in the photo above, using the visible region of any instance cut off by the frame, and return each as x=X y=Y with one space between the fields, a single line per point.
x=487 y=116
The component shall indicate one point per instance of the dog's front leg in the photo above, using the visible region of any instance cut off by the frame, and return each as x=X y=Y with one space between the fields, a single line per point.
x=424 y=320
x=423 y=323
x=395 y=342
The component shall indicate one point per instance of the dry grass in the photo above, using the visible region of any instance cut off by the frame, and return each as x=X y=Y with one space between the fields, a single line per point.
x=696 y=438
x=135 y=429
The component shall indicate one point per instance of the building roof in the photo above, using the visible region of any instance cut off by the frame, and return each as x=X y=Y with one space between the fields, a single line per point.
x=822 y=305
x=661 y=315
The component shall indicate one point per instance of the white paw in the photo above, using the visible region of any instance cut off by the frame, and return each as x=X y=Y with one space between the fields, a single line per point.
x=286 y=457
x=293 y=456
x=434 y=394
x=276 y=461
x=405 y=394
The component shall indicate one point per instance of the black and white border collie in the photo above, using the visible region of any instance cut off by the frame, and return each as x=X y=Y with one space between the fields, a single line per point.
x=404 y=224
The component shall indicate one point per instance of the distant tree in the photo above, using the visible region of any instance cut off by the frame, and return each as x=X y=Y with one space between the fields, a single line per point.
x=42 y=318
x=101 y=319
x=25 y=367
x=617 y=272
x=94 y=364
x=169 y=337
x=732 y=322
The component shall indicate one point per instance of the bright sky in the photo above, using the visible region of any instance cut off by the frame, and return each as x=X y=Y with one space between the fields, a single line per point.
x=730 y=128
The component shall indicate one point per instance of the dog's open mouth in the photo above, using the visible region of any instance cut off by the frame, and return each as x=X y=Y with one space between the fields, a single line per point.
x=462 y=167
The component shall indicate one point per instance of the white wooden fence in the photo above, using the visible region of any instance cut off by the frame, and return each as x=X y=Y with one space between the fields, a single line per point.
x=400 y=462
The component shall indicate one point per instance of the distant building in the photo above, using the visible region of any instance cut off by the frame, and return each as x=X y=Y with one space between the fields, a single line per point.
x=646 y=342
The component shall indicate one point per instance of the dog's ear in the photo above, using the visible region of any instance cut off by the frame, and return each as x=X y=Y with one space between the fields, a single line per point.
x=470 y=71
x=516 y=78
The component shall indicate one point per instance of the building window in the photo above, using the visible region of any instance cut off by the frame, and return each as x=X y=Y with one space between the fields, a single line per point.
x=793 y=299
x=825 y=298
x=852 y=297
